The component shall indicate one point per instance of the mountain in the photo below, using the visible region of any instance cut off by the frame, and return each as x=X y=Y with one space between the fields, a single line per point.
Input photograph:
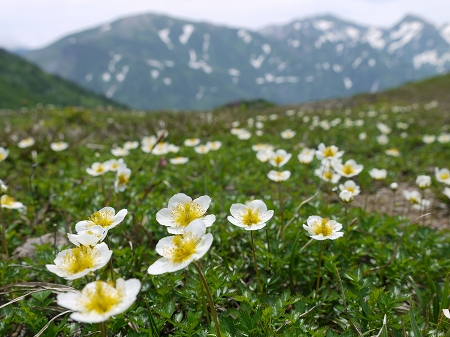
x=159 y=62
x=24 y=83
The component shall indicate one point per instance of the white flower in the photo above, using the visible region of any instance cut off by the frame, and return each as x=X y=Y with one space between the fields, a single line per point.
x=3 y=153
x=252 y=216
x=130 y=145
x=182 y=210
x=264 y=155
x=202 y=149
x=423 y=181
x=244 y=134
x=322 y=229
x=394 y=186
x=279 y=158
x=350 y=186
x=384 y=129
x=97 y=169
x=80 y=261
x=115 y=164
x=446 y=313
x=3 y=187
x=362 y=136
x=306 y=156
x=349 y=169
x=180 y=250
x=394 y=152
x=106 y=217
x=98 y=300
x=279 y=176
x=328 y=152
x=147 y=142
x=161 y=149
x=122 y=179
x=378 y=174
x=192 y=142
x=443 y=138
x=287 y=134
x=259 y=133
x=415 y=198
x=442 y=175
x=346 y=196
x=446 y=192
x=428 y=139
x=173 y=148
x=261 y=146
x=120 y=152
x=59 y=146
x=27 y=142
x=179 y=160
x=9 y=202
x=327 y=174
x=382 y=139
x=214 y=145
x=89 y=237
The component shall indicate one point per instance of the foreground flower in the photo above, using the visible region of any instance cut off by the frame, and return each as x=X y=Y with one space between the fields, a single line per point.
x=27 y=142
x=98 y=300
x=59 y=146
x=350 y=186
x=122 y=179
x=442 y=175
x=446 y=192
x=9 y=202
x=327 y=174
x=252 y=216
x=90 y=237
x=106 y=217
x=349 y=169
x=179 y=251
x=423 y=181
x=415 y=198
x=306 y=156
x=77 y=262
x=97 y=169
x=182 y=210
x=378 y=174
x=3 y=153
x=346 y=196
x=279 y=158
x=278 y=176
x=328 y=152
x=322 y=229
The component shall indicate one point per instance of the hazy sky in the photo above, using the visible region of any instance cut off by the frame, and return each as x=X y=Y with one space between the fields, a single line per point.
x=36 y=23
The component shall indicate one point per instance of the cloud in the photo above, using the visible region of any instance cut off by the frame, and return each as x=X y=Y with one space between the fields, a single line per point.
x=36 y=23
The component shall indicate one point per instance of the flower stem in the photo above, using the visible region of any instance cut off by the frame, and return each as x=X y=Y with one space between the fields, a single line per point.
x=211 y=302
x=346 y=221
x=205 y=309
x=256 y=264
x=318 y=268
x=110 y=260
x=268 y=246
x=102 y=328
x=4 y=243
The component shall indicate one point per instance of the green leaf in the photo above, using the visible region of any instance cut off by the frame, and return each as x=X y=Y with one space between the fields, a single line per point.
x=42 y=295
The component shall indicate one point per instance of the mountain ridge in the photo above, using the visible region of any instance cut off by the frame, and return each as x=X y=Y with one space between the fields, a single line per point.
x=152 y=61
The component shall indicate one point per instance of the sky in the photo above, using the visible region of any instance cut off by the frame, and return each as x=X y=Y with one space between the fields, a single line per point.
x=34 y=24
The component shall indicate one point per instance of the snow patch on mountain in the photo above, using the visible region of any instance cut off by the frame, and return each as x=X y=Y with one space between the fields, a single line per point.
x=406 y=32
x=244 y=35
x=200 y=64
x=445 y=32
x=256 y=62
x=187 y=32
x=164 y=36
x=323 y=24
x=432 y=58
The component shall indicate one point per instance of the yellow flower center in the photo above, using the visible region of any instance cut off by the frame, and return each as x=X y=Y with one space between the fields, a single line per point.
x=250 y=217
x=278 y=160
x=348 y=169
x=2 y=156
x=7 y=200
x=123 y=179
x=99 y=168
x=102 y=218
x=184 y=247
x=350 y=189
x=184 y=213
x=102 y=300
x=323 y=228
x=328 y=175
x=329 y=152
x=79 y=259
x=444 y=176
x=413 y=200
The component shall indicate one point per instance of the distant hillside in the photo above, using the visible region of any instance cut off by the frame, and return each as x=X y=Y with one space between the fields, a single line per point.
x=24 y=83
x=158 y=62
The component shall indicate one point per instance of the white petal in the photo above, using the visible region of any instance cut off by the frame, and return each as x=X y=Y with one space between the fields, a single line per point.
x=203 y=246
x=82 y=225
x=68 y=300
x=164 y=217
x=259 y=205
x=196 y=227
x=209 y=220
x=179 y=198
x=237 y=209
x=203 y=201
x=164 y=244
x=267 y=216
x=119 y=217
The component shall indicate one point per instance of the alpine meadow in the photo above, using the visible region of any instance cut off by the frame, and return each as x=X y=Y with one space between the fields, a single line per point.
x=328 y=218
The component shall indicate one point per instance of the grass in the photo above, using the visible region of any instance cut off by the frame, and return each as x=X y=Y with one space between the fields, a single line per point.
x=390 y=265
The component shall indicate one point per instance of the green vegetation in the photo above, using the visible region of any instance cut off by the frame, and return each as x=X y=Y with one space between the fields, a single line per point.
x=23 y=84
x=388 y=265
